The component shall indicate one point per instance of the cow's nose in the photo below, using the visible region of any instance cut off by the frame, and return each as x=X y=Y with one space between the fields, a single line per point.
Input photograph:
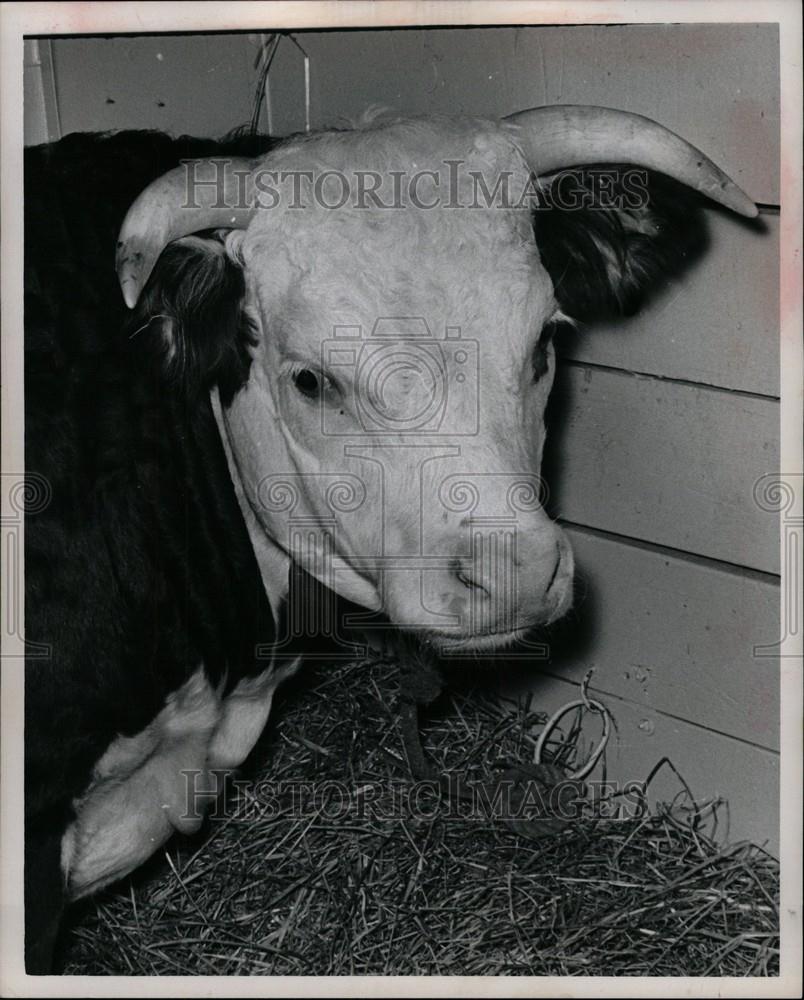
x=510 y=578
x=556 y=567
x=469 y=576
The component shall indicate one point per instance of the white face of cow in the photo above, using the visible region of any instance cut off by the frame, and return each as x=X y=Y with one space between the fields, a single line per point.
x=390 y=435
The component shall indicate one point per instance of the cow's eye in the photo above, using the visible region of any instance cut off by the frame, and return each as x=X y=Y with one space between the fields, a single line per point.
x=308 y=383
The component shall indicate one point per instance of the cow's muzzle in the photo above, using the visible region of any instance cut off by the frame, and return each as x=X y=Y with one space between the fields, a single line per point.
x=508 y=582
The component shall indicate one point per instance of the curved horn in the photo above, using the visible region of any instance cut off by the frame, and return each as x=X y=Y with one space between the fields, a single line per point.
x=571 y=135
x=200 y=194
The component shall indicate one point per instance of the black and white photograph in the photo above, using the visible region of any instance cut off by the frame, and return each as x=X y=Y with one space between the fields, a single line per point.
x=401 y=499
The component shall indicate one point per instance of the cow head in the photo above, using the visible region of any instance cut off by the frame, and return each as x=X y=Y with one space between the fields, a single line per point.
x=385 y=379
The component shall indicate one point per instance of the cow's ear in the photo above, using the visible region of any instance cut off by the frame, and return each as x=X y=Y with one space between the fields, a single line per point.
x=611 y=236
x=191 y=315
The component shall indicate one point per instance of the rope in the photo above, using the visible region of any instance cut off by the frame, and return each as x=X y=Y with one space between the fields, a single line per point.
x=583 y=702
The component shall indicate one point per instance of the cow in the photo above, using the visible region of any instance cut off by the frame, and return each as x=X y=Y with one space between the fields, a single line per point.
x=328 y=357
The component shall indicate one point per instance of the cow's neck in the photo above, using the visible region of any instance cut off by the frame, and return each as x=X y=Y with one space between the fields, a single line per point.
x=274 y=563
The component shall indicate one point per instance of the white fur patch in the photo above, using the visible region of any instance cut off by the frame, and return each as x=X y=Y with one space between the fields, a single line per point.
x=245 y=712
x=138 y=794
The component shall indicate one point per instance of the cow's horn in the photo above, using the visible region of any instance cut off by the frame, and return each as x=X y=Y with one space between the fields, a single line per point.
x=200 y=194
x=571 y=135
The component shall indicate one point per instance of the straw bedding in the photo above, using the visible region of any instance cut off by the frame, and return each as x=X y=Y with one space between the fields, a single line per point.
x=328 y=859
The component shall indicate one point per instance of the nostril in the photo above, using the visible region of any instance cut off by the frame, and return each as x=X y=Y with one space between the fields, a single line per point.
x=556 y=568
x=468 y=582
x=466 y=578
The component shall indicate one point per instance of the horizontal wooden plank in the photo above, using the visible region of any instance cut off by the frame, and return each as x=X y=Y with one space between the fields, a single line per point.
x=664 y=462
x=196 y=84
x=717 y=84
x=718 y=324
x=205 y=83
x=713 y=766
x=674 y=635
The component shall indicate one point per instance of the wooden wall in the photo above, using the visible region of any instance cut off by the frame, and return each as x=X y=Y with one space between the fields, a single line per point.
x=660 y=426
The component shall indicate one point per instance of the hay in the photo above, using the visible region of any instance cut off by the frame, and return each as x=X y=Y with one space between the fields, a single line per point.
x=350 y=876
